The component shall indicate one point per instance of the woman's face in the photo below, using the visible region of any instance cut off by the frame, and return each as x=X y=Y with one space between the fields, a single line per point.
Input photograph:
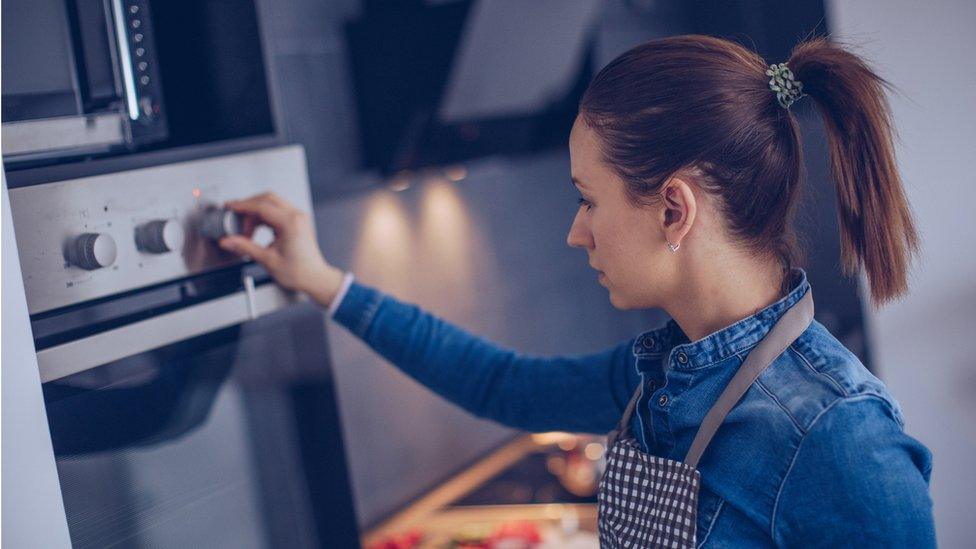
x=625 y=244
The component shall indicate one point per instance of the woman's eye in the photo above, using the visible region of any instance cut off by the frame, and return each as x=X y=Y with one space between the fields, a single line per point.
x=584 y=202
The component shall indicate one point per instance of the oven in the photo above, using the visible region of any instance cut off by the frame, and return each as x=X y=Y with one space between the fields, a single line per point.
x=189 y=399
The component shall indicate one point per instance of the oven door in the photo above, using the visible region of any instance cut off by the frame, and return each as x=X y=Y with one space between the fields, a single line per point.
x=230 y=438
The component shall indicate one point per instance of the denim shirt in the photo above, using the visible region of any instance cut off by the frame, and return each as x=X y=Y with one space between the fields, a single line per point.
x=813 y=455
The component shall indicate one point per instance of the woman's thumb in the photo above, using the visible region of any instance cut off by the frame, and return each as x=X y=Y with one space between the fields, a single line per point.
x=242 y=245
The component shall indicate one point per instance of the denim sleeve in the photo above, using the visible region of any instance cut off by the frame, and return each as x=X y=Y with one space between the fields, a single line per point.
x=584 y=394
x=856 y=479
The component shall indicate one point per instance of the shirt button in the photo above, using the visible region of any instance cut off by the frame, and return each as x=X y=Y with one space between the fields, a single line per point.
x=663 y=401
x=682 y=358
x=647 y=343
x=652 y=385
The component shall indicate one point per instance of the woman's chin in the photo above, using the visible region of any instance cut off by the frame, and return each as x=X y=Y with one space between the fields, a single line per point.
x=625 y=302
x=617 y=301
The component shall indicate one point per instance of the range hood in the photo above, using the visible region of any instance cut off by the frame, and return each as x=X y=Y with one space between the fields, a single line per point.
x=440 y=83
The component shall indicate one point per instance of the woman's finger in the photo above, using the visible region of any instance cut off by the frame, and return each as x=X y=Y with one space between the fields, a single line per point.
x=242 y=245
x=275 y=199
x=248 y=224
x=261 y=207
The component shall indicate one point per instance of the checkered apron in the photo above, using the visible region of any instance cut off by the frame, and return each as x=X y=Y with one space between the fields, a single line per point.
x=648 y=501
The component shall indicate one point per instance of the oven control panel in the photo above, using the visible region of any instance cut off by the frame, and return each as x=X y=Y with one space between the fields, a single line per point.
x=93 y=237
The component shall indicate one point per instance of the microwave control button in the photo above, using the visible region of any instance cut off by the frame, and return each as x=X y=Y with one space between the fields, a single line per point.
x=92 y=251
x=146 y=105
x=160 y=236
x=218 y=223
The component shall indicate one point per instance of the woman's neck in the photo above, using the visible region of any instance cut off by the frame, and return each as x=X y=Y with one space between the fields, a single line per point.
x=709 y=300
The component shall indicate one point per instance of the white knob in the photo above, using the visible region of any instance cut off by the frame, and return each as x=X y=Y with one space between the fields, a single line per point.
x=93 y=251
x=160 y=236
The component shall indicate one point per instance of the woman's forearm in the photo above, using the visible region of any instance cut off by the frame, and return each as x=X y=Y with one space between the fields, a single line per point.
x=583 y=394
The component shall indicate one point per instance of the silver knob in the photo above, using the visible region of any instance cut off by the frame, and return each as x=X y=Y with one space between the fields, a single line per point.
x=93 y=251
x=160 y=236
x=218 y=223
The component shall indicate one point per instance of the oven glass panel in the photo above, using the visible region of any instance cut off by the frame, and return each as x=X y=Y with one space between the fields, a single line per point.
x=227 y=440
x=38 y=71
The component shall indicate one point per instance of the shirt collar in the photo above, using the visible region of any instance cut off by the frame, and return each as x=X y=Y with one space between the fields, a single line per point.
x=717 y=346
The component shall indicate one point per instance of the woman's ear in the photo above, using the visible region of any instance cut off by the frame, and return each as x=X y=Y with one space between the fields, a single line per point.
x=680 y=208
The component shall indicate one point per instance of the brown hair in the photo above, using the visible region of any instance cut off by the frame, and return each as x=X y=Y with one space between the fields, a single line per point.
x=699 y=102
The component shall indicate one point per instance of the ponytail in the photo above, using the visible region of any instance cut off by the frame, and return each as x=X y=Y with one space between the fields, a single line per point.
x=877 y=230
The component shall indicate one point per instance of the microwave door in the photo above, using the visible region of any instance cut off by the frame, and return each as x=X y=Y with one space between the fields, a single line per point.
x=79 y=78
x=57 y=65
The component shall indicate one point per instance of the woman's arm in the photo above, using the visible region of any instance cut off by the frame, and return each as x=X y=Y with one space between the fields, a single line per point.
x=856 y=479
x=579 y=394
x=584 y=394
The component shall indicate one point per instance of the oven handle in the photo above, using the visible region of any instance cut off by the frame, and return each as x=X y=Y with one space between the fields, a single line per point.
x=85 y=353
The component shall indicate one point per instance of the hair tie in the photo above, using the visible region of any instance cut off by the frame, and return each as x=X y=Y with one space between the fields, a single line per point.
x=788 y=89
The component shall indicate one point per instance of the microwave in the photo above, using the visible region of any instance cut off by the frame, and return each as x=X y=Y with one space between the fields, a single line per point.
x=80 y=77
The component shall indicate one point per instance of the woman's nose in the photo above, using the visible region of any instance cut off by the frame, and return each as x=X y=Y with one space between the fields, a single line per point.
x=579 y=235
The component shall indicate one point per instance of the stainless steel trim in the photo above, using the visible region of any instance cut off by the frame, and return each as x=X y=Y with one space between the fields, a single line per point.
x=68 y=132
x=128 y=79
x=30 y=477
x=83 y=354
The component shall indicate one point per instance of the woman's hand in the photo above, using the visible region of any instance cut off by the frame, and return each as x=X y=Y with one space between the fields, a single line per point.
x=293 y=259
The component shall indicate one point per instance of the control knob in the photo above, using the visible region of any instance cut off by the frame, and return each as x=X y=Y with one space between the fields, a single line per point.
x=219 y=222
x=92 y=251
x=160 y=236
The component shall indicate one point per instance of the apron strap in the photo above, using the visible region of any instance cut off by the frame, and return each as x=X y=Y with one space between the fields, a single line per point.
x=789 y=327
x=624 y=425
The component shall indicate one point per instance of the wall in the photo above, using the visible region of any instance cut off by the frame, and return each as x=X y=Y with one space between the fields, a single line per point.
x=923 y=346
x=487 y=253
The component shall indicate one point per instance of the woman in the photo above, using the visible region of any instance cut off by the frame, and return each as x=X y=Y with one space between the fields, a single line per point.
x=742 y=422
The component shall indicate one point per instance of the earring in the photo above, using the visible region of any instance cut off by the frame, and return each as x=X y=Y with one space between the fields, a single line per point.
x=673 y=247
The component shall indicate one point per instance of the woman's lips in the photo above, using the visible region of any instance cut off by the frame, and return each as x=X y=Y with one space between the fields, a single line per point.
x=599 y=273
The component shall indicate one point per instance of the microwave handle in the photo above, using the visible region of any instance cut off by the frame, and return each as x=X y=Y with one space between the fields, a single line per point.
x=82 y=354
x=125 y=60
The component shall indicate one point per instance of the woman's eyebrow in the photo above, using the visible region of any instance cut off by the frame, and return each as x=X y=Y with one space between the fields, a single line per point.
x=577 y=182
